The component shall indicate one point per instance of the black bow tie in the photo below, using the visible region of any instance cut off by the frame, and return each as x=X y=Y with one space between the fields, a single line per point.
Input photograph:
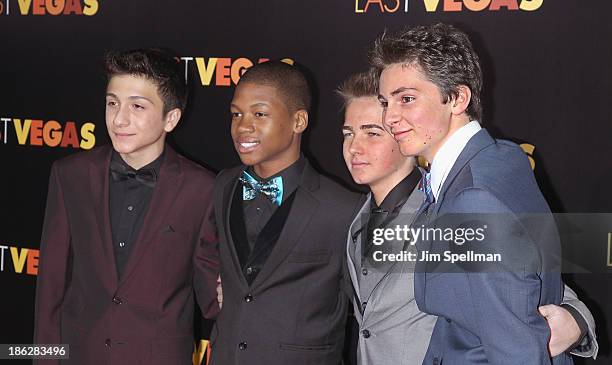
x=121 y=172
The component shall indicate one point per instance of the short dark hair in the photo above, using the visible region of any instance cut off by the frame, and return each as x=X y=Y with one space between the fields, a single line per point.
x=287 y=79
x=444 y=54
x=155 y=64
x=359 y=85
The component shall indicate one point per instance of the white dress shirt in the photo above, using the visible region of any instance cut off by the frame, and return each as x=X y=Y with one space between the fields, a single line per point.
x=447 y=155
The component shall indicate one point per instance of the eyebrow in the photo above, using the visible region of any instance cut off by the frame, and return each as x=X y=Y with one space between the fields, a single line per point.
x=132 y=97
x=371 y=126
x=232 y=105
x=401 y=90
x=362 y=127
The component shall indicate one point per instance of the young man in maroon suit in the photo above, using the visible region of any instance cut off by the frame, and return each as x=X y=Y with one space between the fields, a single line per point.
x=127 y=237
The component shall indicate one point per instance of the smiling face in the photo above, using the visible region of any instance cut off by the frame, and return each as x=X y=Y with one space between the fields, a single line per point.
x=265 y=132
x=135 y=120
x=370 y=153
x=415 y=111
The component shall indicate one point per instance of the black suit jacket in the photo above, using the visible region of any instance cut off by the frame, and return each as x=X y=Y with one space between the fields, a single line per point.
x=146 y=316
x=294 y=311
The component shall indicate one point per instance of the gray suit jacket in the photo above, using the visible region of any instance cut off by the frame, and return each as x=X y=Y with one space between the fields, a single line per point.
x=392 y=330
x=588 y=347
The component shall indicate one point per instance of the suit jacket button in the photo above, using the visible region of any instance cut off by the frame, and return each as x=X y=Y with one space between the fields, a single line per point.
x=364 y=271
x=248 y=298
x=242 y=345
x=448 y=320
x=107 y=343
x=117 y=300
x=365 y=333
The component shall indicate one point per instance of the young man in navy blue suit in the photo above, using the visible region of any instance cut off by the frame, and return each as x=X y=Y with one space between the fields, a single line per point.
x=430 y=83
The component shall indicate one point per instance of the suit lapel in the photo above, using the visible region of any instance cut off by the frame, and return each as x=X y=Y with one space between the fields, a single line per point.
x=228 y=201
x=164 y=195
x=306 y=204
x=477 y=143
x=407 y=216
x=352 y=244
x=99 y=185
x=268 y=237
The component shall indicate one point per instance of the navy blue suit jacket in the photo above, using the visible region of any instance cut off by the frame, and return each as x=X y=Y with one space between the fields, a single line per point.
x=488 y=312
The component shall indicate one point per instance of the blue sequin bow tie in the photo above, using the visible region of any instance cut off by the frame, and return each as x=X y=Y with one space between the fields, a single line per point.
x=272 y=189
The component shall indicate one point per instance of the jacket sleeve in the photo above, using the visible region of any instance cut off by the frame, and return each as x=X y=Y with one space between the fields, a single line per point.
x=503 y=299
x=53 y=270
x=206 y=265
x=588 y=347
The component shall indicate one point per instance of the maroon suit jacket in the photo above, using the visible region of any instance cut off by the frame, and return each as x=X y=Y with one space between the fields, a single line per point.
x=146 y=317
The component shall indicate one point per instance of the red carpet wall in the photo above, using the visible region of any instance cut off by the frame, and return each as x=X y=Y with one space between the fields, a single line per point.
x=547 y=66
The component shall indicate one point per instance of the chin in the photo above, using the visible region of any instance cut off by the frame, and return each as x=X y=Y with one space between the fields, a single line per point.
x=409 y=151
x=361 y=180
x=248 y=160
x=122 y=148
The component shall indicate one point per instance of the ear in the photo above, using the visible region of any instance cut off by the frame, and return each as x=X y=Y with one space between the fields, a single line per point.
x=461 y=101
x=300 y=121
x=172 y=119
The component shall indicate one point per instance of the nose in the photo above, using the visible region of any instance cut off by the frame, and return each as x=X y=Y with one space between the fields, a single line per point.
x=245 y=124
x=390 y=116
x=355 y=146
x=121 y=117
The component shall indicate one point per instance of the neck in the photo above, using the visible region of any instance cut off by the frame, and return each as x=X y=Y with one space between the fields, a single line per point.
x=278 y=163
x=273 y=167
x=455 y=124
x=381 y=189
x=137 y=161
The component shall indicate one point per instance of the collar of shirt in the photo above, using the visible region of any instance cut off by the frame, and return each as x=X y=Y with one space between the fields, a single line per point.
x=291 y=176
x=155 y=165
x=400 y=193
x=449 y=152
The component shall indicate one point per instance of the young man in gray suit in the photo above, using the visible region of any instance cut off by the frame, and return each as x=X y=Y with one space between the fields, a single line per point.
x=383 y=301
x=430 y=83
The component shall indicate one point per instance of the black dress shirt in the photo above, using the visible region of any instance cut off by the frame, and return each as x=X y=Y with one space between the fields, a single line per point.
x=389 y=208
x=129 y=202
x=258 y=211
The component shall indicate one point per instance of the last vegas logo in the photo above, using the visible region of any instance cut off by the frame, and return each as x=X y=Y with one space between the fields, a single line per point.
x=394 y=6
x=49 y=7
x=49 y=133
